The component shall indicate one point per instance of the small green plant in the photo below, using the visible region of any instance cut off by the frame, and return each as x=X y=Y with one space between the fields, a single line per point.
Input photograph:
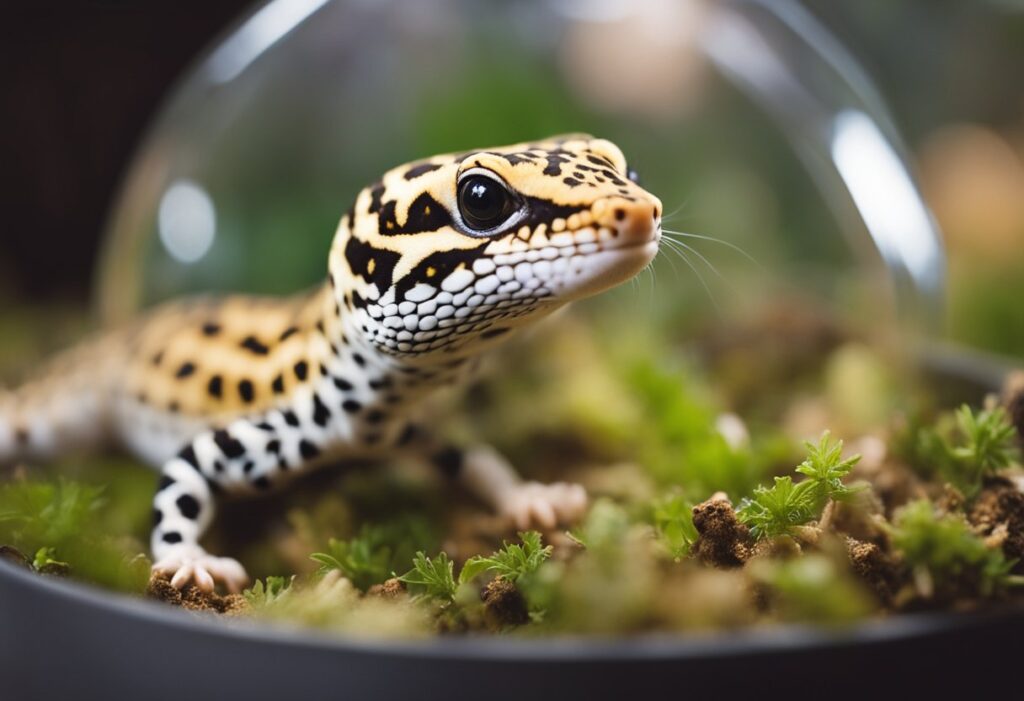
x=825 y=470
x=673 y=521
x=988 y=442
x=943 y=552
x=964 y=447
x=780 y=509
x=435 y=577
x=511 y=562
x=376 y=552
x=777 y=510
x=269 y=591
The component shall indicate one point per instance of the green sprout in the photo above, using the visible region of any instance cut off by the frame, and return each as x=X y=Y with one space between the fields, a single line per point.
x=780 y=509
x=511 y=562
x=267 y=592
x=825 y=470
x=373 y=555
x=673 y=522
x=942 y=551
x=435 y=576
x=989 y=442
x=777 y=510
x=964 y=447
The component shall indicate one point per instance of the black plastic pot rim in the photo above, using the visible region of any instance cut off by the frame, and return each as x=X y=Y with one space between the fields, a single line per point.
x=769 y=639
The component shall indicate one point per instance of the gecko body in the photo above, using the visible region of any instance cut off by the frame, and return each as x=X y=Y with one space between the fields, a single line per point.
x=431 y=266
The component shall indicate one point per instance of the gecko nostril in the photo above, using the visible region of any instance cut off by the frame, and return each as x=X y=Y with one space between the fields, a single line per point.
x=620 y=214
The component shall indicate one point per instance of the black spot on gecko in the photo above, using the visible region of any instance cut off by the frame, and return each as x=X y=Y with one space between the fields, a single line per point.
x=375 y=265
x=215 y=388
x=449 y=461
x=425 y=214
x=253 y=345
x=185 y=370
x=188 y=454
x=165 y=482
x=246 y=391
x=555 y=158
x=351 y=406
x=343 y=384
x=264 y=426
x=172 y=537
x=248 y=466
x=188 y=506
x=274 y=446
x=321 y=414
x=301 y=370
x=210 y=329
x=290 y=331
x=277 y=386
x=376 y=194
x=307 y=450
x=157 y=358
x=421 y=169
x=359 y=360
x=231 y=447
x=572 y=182
x=290 y=418
x=437 y=266
x=158 y=516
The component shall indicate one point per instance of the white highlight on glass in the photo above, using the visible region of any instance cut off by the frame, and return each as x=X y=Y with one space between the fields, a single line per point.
x=884 y=193
x=186 y=221
x=259 y=33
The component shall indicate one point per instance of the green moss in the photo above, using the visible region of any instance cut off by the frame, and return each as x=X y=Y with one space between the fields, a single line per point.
x=57 y=521
x=377 y=551
x=945 y=556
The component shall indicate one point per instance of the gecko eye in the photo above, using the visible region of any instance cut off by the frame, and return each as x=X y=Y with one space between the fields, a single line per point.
x=484 y=203
x=633 y=175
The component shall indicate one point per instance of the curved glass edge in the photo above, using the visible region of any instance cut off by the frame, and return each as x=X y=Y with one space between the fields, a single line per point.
x=789 y=65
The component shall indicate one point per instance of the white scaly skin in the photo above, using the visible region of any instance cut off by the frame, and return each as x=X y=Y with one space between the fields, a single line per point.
x=426 y=272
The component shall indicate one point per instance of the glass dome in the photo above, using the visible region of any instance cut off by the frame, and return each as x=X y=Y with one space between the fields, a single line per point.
x=774 y=157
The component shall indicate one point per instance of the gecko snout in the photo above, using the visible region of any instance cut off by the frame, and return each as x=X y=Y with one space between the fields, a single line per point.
x=633 y=222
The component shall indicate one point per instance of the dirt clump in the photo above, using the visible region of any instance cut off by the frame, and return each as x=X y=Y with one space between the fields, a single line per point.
x=391 y=589
x=998 y=512
x=504 y=605
x=194 y=599
x=875 y=568
x=723 y=541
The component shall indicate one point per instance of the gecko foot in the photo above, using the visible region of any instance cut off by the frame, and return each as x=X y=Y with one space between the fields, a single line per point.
x=190 y=563
x=544 y=504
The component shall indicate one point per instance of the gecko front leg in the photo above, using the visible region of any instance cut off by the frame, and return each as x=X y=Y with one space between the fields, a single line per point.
x=489 y=476
x=247 y=456
x=486 y=473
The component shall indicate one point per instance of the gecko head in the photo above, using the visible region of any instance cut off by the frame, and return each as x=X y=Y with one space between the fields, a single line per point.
x=447 y=254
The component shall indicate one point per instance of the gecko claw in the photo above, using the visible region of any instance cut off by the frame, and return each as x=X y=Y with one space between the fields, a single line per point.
x=545 y=505
x=193 y=565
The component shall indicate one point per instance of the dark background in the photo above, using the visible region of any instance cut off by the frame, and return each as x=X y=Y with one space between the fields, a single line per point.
x=80 y=81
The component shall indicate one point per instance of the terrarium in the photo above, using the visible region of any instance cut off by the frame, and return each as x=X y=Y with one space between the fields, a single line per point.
x=800 y=278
